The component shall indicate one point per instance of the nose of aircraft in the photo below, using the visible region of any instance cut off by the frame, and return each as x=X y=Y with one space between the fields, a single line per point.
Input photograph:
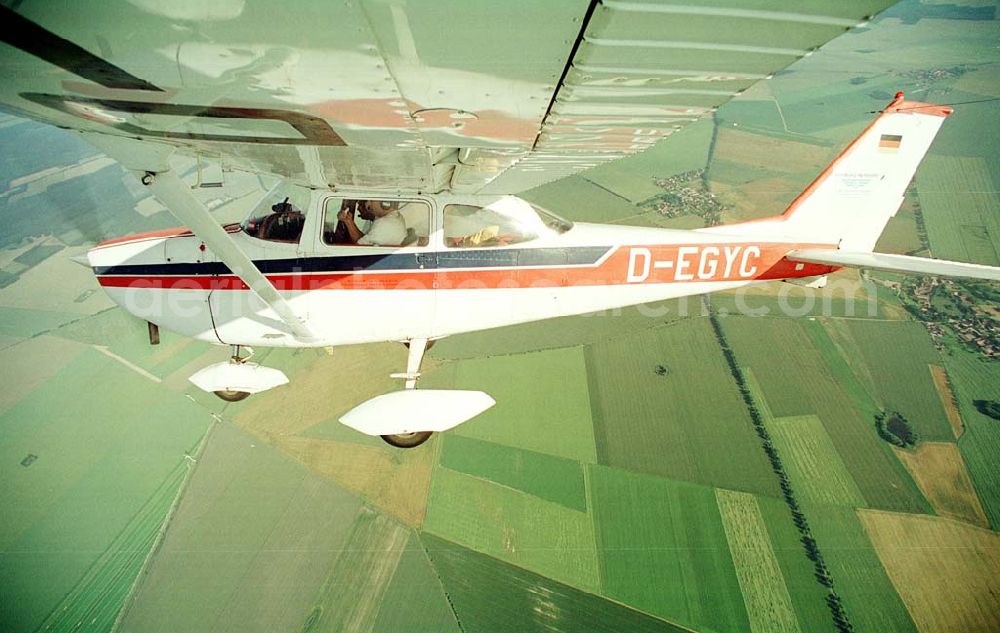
x=83 y=259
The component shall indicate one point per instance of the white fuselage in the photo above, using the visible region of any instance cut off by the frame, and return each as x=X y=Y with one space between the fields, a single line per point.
x=356 y=294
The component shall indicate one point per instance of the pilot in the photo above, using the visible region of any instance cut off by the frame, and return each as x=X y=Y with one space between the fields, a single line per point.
x=387 y=229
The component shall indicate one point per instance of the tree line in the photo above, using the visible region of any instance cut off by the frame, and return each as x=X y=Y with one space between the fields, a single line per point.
x=821 y=571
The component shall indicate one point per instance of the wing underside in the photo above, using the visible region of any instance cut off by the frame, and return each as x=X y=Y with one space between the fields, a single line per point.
x=402 y=95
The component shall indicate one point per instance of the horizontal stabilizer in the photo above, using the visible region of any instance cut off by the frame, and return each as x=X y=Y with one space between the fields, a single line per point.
x=896 y=263
x=416 y=410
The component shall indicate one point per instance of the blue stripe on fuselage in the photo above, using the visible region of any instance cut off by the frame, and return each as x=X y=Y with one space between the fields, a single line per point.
x=449 y=259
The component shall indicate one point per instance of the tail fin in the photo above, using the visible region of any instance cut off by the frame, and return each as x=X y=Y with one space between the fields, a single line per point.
x=853 y=199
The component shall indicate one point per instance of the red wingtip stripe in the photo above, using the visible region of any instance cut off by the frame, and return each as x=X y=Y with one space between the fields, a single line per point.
x=138 y=237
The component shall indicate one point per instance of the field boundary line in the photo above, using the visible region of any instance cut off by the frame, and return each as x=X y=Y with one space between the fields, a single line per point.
x=158 y=541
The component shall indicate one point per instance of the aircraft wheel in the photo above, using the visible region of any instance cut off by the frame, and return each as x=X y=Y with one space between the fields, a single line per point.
x=232 y=396
x=407 y=440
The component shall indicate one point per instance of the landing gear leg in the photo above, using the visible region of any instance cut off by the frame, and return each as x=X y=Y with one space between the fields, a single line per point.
x=230 y=395
x=417 y=348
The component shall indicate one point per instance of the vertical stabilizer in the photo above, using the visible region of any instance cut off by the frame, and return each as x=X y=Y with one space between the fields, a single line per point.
x=853 y=199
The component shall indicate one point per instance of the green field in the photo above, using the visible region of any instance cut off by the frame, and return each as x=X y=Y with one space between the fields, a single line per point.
x=250 y=544
x=415 y=599
x=833 y=340
x=568 y=331
x=901 y=235
x=551 y=478
x=974 y=378
x=670 y=556
x=489 y=595
x=580 y=200
x=632 y=177
x=814 y=468
x=768 y=602
x=105 y=440
x=98 y=598
x=796 y=380
x=533 y=414
x=359 y=578
x=867 y=592
x=794 y=301
x=127 y=336
x=25 y=322
x=510 y=525
x=808 y=596
x=689 y=423
x=959 y=204
x=898 y=354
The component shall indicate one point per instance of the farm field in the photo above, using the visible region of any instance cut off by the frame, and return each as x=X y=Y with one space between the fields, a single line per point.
x=902 y=235
x=555 y=479
x=899 y=355
x=942 y=384
x=847 y=299
x=531 y=413
x=769 y=605
x=359 y=578
x=832 y=339
x=808 y=596
x=394 y=482
x=99 y=458
x=815 y=469
x=795 y=380
x=632 y=177
x=671 y=557
x=250 y=544
x=98 y=598
x=488 y=595
x=544 y=537
x=578 y=199
x=959 y=202
x=976 y=379
x=945 y=571
x=940 y=472
x=644 y=403
x=415 y=599
x=569 y=331
x=867 y=592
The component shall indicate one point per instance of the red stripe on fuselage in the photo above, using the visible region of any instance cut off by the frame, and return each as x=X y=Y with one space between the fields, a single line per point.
x=684 y=263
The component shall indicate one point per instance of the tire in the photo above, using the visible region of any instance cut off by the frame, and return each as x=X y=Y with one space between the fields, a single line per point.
x=407 y=440
x=232 y=396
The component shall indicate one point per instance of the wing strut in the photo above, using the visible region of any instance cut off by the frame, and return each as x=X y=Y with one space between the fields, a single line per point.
x=150 y=162
x=176 y=196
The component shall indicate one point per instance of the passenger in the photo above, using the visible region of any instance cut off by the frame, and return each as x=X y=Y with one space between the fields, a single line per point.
x=387 y=229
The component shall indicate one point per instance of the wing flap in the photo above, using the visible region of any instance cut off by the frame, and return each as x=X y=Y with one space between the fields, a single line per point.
x=896 y=263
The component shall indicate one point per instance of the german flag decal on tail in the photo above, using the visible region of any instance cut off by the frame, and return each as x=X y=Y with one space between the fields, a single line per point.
x=889 y=142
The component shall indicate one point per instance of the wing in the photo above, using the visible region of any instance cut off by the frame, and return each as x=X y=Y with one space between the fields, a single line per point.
x=401 y=95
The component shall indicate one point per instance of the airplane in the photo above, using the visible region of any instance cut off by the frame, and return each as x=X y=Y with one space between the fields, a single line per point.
x=401 y=153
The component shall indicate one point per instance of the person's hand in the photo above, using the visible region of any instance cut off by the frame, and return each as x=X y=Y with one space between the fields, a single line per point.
x=345 y=216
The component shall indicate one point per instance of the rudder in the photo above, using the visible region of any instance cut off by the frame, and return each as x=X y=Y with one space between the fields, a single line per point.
x=852 y=200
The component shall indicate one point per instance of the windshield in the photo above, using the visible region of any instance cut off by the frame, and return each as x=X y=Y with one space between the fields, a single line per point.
x=279 y=217
x=509 y=220
x=551 y=220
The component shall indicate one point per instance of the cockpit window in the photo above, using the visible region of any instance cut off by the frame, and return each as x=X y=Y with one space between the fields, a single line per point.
x=279 y=217
x=376 y=222
x=509 y=220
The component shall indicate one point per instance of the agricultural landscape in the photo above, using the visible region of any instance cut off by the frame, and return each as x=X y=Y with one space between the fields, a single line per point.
x=710 y=464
